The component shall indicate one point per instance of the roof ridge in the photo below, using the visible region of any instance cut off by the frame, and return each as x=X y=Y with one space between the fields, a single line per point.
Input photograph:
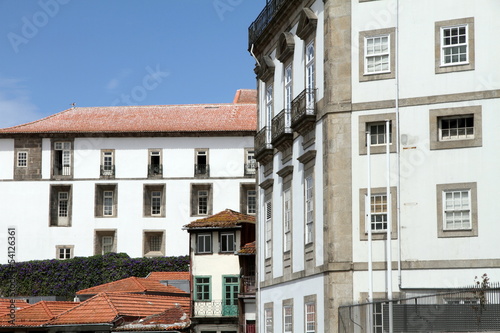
x=138 y=283
x=39 y=120
x=110 y=303
x=46 y=308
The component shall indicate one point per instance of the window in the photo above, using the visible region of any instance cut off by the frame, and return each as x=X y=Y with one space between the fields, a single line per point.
x=457 y=206
x=377 y=54
x=201 y=168
x=64 y=252
x=251 y=201
x=456 y=127
x=378 y=317
x=201 y=199
x=227 y=242
x=155 y=166
x=106 y=200
x=310 y=73
x=154 y=200
x=248 y=198
x=105 y=241
x=459 y=127
x=287 y=220
x=60 y=198
x=378 y=133
x=288 y=88
x=202 y=288
x=462 y=301
x=268 y=319
x=204 y=243
x=154 y=243
x=269 y=111
x=309 y=207
x=107 y=163
x=310 y=315
x=268 y=227
x=287 y=318
x=378 y=206
x=231 y=286
x=22 y=159
x=376 y=125
x=62 y=159
x=107 y=244
x=454 y=45
x=250 y=163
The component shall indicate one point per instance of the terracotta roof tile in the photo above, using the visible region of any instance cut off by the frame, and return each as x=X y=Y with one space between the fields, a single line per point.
x=168 y=276
x=174 y=318
x=6 y=302
x=132 y=285
x=245 y=96
x=229 y=117
x=104 y=308
x=37 y=314
x=248 y=248
x=225 y=219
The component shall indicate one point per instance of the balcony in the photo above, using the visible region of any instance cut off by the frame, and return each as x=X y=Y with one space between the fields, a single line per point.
x=202 y=170
x=263 y=147
x=265 y=17
x=304 y=111
x=215 y=309
x=107 y=170
x=250 y=168
x=248 y=285
x=155 y=170
x=282 y=134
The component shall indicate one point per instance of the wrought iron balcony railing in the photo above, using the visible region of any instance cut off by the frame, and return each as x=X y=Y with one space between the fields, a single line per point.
x=281 y=127
x=250 y=168
x=107 y=170
x=202 y=170
x=265 y=16
x=304 y=105
x=263 y=142
x=227 y=308
x=155 y=170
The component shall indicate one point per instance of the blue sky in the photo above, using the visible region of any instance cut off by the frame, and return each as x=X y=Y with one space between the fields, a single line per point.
x=121 y=52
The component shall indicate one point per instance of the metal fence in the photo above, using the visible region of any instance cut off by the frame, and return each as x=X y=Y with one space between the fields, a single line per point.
x=465 y=310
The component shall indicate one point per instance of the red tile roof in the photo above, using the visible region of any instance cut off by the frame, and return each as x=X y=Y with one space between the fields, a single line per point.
x=225 y=219
x=168 y=276
x=174 y=318
x=240 y=116
x=245 y=96
x=132 y=285
x=105 y=308
x=5 y=305
x=37 y=314
x=248 y=248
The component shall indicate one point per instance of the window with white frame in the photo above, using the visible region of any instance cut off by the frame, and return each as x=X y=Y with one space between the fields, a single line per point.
x=201 y=199
x=155 y=166
x=309 y=206
x=227 y=242
x=287 y=318
x=456 y=127
x=201 y=168
x=310 y=315
x=310 y=73
x=454 y=45
x=63 y=200
x=287 y=220
x=377 y=54
x=107 y=163
x=64 y=252
x=457 y=209
x=202 y=202
x=62 y=158
x=107 y=206
x=378 y=207
x=105 y=241
x=107 y=244
x=378 y=133
x=250 y=163
x=156 y=203
x=269 y=111
x=268 y=228
x=251 y=202
x=288 y=87
x=204 y=243
x=22 y=159
x=378 y=317
x=60 y=205
x=268 y=319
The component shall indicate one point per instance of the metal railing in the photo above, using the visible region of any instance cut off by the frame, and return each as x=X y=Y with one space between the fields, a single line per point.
x=107 y=170
x=155 y=170
x=263 y=140
x=265 y=16
x=202 y=170
x=304 y=105
x=250 y=168
x=248 y=284
x=281 y=124
x=227 y=308
x=464 y=310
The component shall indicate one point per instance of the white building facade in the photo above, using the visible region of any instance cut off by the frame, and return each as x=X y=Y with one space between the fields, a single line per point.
x=328 y=73
x=124 y=179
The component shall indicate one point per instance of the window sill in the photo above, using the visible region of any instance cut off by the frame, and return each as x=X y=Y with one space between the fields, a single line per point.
x=154 y=254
